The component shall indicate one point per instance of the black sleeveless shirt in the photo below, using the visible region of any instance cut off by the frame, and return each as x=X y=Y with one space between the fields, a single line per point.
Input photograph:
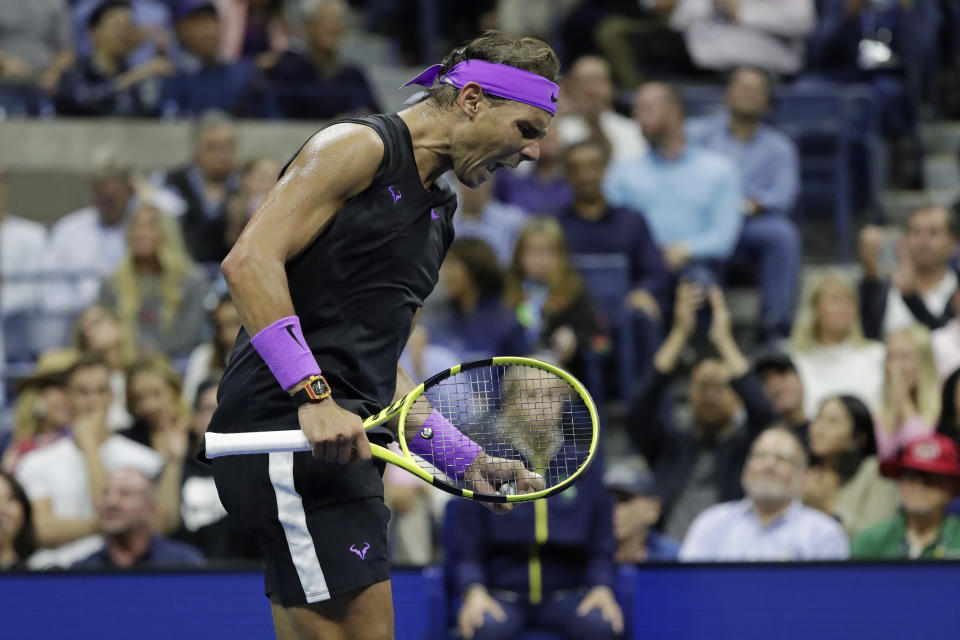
x=356 y=289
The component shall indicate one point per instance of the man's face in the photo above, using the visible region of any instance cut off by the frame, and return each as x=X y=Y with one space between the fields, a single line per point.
x=783 y=389
x=634 y=515
x=748 y=94
x=216 y=152
x=773 y=472
x=924 y=494
x=111 y=196
x=325 y=28
x=115 y=33
x=592 y=86
x=199 y=34
x=712 y=398
x=656 y=113
x=126 y=504
x=502 y=133
x=585 y=168
x=89 y=390
x=929 y=241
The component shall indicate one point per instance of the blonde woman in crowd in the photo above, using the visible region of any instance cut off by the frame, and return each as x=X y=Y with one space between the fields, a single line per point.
x=911 y=391
x=42 y=411
x=549 y=296
x=98 y=331
x=157 y=291
x=829 y=350
x=161 y=422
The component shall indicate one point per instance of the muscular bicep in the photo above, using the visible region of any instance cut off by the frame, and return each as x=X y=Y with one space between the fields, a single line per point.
x=335 y=165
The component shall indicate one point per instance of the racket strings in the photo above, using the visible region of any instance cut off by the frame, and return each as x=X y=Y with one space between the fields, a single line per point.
x=516 y=413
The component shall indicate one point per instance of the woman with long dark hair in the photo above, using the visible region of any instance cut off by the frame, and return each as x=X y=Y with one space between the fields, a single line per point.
x=844 y=475
x=17 y=535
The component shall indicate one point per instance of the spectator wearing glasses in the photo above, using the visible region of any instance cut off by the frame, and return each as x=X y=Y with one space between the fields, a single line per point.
x=928 y=478
x=771 y=523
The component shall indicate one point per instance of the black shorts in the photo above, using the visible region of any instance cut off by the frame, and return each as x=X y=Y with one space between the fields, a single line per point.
x=322 y=528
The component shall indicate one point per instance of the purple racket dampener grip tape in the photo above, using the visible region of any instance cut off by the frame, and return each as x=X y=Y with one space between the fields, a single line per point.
x=447 y=448
x=284 y=349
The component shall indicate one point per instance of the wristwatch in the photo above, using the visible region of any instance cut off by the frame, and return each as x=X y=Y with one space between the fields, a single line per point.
x=316 y=390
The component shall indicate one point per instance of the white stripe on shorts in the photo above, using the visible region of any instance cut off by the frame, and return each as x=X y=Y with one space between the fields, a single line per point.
x=294 y=521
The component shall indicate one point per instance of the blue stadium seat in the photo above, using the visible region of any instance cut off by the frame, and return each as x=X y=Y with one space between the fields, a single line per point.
x=608 y=279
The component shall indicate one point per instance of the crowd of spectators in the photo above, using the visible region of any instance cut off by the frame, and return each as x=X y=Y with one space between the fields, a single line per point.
x=825 y=429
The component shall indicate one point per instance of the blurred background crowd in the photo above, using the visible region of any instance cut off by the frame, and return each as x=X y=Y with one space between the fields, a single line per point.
x=741 y=234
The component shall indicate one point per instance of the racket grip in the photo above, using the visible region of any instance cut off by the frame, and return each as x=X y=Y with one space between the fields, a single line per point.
x=230 y=444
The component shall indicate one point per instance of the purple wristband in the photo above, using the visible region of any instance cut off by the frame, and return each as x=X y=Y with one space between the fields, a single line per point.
x=284 y=349
x=444 y=447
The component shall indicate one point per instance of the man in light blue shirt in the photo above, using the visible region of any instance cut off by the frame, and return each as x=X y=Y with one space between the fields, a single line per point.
x=767 y=160
x=690 y=196
x=771 y=523
x=480 y=215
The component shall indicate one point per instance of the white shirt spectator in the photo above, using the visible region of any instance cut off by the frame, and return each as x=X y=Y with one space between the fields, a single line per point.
x=23 y=251
x=946 y=348
x=83 y=251
x=732 y=532
x=898 y=316
x=58 y=472
x=623 y=134
x=769 y=34
x=841 y=369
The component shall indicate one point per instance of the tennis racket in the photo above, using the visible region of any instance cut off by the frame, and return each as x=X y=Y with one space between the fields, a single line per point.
x=519 y=410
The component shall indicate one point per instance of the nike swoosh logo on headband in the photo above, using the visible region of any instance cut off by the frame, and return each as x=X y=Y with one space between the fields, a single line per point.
x=553 y=98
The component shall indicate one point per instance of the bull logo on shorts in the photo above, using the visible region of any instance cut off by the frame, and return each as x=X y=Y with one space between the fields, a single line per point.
x=361 y=553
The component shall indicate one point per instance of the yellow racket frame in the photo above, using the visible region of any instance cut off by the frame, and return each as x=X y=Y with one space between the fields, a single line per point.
x=402 y=407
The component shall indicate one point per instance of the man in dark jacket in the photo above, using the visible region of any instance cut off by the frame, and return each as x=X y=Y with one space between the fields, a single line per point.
x=545 y=565
x=204 y=186
x=699 y=464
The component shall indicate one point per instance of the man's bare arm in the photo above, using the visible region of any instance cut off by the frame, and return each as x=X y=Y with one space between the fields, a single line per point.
x=335 y=165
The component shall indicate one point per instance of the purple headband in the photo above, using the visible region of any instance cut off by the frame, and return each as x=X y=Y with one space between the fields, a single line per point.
x=497 y=79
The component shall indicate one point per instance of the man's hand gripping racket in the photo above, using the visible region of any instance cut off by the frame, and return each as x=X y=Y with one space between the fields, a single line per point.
x=501 y=430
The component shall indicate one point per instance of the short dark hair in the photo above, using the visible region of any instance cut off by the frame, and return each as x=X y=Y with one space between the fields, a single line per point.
x=522 y=52
x=592 y=142
x=768 y=78
x=952 y=226
x=480 y=262
x=25 y=542
x=97 y=15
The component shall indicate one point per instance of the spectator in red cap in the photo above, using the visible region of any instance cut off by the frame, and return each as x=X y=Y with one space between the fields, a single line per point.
x=928 y=475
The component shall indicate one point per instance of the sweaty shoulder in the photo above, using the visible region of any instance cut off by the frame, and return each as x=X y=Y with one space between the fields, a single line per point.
x=352 y=151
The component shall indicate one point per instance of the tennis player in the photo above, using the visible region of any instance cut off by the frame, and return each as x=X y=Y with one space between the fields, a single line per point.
x=328 y=277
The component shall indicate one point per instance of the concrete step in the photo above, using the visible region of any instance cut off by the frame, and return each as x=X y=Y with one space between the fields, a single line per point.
x=941 y=171
x=941 y=137
x=898 y=203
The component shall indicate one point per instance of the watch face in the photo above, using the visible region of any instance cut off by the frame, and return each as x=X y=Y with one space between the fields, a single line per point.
x=319 y=388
